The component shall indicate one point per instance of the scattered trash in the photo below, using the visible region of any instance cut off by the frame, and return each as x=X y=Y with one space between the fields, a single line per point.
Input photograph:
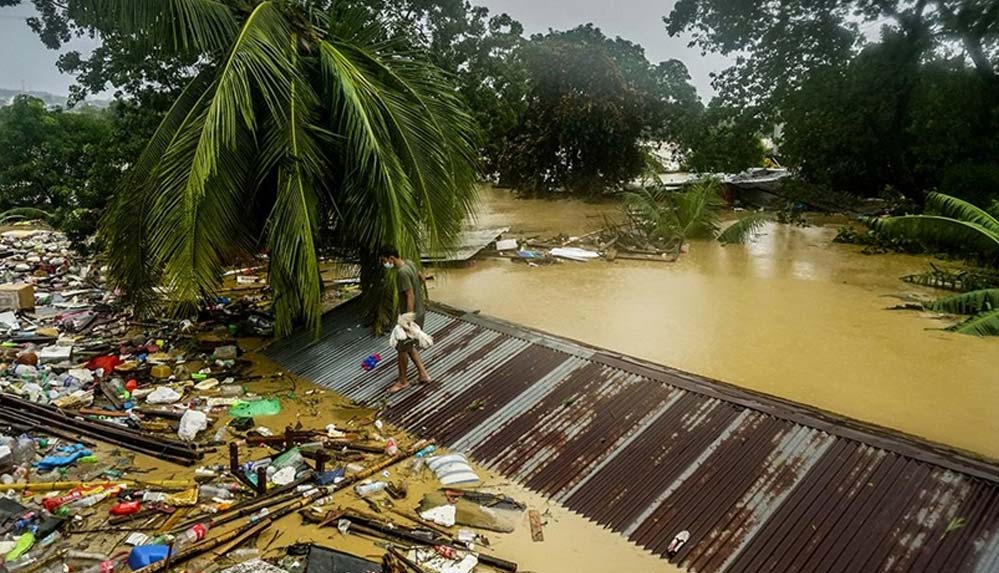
x=574 y=254
x=677 y=543
x=537 y=532
x=252 y=409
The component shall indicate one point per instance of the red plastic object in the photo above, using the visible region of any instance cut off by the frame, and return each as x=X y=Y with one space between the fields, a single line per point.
x=107 y=363
x=126 y=508
x=131 y=385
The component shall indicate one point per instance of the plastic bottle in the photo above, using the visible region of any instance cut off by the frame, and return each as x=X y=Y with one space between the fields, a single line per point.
x=213 y=491
x=193 y=534
x=92 y=500
x=366 y=489
x=259 y=515
x=52 y=503
x=391 y=447
x=24 y=450
x=427 y=451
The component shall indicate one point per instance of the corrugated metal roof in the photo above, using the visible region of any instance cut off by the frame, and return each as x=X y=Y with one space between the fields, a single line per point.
x=761 y=484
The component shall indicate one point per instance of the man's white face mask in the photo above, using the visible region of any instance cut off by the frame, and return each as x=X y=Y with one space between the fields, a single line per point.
x=387 y=265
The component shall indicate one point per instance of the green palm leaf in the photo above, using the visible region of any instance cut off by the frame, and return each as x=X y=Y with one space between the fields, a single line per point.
x=197 y=220
x=938 y=229
x=947 y=206
x=22 y=213
x=184 y=25
x=744 y=228
x=983 y=325
x=300 y=139
x=123 y=229
x=294 y=219
x=969 y=302
x=697 y=210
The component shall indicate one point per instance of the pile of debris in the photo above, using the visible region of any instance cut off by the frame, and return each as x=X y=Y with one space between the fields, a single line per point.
x=146 y=446
x=608 y=244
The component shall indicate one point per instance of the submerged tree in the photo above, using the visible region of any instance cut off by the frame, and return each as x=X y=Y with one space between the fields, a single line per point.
x=671 y=218
x=952 y=222
x=305 y=130
x=593 y=101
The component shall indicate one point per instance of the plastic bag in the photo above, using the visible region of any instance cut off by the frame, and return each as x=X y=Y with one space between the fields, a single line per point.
x=163 y=395
x=192 y=422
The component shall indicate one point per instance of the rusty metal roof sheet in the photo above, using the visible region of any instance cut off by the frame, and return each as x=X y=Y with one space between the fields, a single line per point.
x=761 y=484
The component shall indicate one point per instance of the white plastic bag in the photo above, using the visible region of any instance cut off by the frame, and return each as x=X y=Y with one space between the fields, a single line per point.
x=163 y=395
x=192 y=422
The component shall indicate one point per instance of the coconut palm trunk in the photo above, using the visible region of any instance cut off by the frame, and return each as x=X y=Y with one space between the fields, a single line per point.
x=311 y=132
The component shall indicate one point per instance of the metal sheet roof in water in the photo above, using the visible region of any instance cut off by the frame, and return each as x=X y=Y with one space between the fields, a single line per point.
x=647 y=451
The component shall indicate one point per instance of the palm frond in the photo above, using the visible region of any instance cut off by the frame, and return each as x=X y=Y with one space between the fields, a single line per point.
x=698 y=209
x=969 y=302
x=123 y=228
x=938 y=229
x=983 y=325
x=294 y=220
x=23 y=213
x=185 y=25
x=196 y=222
x=947 y=206
x=744 y=229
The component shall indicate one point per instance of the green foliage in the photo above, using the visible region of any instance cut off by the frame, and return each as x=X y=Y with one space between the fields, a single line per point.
x=745 y=228
x=961 y=224
x=721 y=141
x=672 y=218
x=310 y=131
x=65 y=163
x=23 y=214
x=860 y=113
x=592 y=101
x=972 y=302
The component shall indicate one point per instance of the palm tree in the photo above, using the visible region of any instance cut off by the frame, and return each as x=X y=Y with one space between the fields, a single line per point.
x=952 y=222
x=673 y=218
x=310 y=131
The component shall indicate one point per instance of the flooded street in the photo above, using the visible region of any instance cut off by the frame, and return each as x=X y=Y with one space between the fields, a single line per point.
x=790 y=314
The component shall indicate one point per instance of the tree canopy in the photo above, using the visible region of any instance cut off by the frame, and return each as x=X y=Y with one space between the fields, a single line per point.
x=64 y=163
x=592 y=104
x=870 y=93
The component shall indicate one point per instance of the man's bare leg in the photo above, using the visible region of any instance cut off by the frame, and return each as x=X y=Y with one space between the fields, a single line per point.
x=420 y=368
x=403 y=380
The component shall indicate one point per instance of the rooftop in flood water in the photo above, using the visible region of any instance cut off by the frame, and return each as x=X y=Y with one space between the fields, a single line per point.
x=759 y=483
x=790 y=314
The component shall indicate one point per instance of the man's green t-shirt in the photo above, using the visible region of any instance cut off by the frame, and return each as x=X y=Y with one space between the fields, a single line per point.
x=409 y=279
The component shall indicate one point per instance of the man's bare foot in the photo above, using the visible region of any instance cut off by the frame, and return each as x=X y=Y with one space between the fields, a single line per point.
x=424 y=381
x=398 y=386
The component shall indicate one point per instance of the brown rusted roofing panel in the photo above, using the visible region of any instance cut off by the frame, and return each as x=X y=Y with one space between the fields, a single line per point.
x=760 y=484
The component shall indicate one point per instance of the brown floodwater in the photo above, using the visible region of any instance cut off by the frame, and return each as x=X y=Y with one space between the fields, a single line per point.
x=790 y=314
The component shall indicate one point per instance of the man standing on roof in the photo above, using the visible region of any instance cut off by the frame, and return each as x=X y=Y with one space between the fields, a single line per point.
x=409 y=282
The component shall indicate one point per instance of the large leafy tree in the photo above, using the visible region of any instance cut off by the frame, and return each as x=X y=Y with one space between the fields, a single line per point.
x=61 y=162
x=856 y=83
x=593 y=102
x=306 y=129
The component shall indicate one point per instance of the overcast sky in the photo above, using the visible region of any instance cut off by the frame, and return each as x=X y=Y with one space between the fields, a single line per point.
x=25 y=62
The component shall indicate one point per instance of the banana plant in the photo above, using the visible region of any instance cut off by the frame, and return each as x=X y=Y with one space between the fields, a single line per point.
x=950 y=221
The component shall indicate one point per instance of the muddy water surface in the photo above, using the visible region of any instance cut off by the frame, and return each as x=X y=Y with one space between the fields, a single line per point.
x=791 y=314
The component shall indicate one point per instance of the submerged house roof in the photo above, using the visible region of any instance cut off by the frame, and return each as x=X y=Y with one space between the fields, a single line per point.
x=761 y=484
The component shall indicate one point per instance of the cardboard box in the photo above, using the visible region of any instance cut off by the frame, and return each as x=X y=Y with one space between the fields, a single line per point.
x=17 y=296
